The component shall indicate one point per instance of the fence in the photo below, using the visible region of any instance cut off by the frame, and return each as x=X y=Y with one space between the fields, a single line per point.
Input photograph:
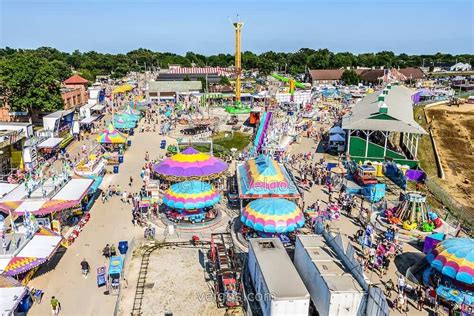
x=455 y=213
x=131 y=247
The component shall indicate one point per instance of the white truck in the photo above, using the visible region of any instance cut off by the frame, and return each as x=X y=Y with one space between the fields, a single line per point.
x=278 y=288
x=334 y=291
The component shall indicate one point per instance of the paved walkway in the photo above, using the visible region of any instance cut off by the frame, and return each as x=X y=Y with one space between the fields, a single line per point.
x=110 y=223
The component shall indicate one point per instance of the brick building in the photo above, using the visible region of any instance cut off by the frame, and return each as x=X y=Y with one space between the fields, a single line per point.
x=74 y=92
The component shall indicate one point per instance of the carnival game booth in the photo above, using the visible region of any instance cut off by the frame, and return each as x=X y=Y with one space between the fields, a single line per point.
x=114 y=143
x=49 y=147
x=190 y=164
x=36 y=251
x=191 y=201
x=452 y=271
x=55 y=202
x=413 y=212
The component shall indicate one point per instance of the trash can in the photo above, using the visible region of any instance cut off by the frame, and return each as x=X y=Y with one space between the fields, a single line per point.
x=129 y=143
x=121 y=159
x=116 y=169
x=123 y=247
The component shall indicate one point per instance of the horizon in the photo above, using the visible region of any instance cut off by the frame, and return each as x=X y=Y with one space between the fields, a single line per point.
x=204 y=27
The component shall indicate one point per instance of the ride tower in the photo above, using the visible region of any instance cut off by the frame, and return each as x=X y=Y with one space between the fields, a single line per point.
x=238 y=63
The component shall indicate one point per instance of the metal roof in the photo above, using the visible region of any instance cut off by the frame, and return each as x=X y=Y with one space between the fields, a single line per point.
x=400 y=108
x=174 y=86
x=326 y=261
x=279 y=273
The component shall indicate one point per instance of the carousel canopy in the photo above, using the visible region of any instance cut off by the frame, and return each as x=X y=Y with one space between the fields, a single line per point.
x=190 y=164
x=262 y=176
x=191 y=195
x=111 y=136
x=272 y=216
x=454 y=258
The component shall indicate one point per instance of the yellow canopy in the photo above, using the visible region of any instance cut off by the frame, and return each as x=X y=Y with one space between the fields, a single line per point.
x=123 y=88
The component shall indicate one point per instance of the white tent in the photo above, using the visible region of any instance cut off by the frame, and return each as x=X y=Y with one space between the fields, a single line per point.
x=10 y=297
x=336 y=130
x=50 y=142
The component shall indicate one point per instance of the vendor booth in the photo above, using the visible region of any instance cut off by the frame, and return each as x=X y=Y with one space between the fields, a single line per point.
x=114 y=142
x=39 y=249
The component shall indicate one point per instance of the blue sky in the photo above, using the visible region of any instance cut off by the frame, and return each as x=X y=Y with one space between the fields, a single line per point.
x=414 y=27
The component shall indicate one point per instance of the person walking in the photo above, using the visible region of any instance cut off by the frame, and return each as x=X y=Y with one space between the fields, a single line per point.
x=106 y=251
x=55 y=306
x=420 y=298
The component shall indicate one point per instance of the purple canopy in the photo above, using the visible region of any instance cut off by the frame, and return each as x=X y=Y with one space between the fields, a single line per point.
x=190 y=164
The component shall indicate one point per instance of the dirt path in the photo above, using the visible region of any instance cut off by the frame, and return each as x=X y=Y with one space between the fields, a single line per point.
x=453 y=130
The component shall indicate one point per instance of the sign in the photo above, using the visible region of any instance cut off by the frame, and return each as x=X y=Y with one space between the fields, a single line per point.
x=101 y=279
x=202 y=135
x=18 y=113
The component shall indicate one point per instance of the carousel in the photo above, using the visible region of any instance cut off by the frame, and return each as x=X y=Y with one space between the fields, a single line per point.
x=451 y=272
x=271 y=217
x=191 y=201
x=412 y=212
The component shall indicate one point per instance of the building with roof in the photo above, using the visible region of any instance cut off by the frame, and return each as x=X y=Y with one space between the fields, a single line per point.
x=325 y=76
x=74 y=92
x=16 y=149
x=413 y=73
x=178 y=73
x=170 y=90
x=381 y=126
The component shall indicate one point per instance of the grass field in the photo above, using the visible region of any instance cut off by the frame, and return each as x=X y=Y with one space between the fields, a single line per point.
x=426 y=154
x=222 y=144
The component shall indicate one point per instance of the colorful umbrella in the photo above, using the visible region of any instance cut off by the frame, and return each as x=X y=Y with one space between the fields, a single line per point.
x=191 y=195
x=454 y=258
x=190 y=164
x=111 y=136
x=272 y=215
x=122 y=89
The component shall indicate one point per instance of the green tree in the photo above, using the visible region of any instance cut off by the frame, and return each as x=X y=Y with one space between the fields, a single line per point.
x=186 y=78
x=223 y=80
x=350 y=77
x=29 y=82
x=203 y=82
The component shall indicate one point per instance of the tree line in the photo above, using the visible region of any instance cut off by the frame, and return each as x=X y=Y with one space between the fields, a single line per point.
x=32 y=77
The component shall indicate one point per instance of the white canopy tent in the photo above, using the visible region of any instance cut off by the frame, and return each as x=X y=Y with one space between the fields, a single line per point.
x=40 y=247
x=10 y=298
x=88 y=120
x=74 y=190
x=50 y=142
